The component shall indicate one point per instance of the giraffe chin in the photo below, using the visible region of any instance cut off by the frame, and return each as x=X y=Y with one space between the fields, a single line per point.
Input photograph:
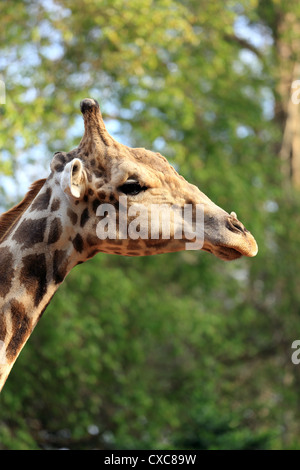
x=224 y=253
x=228 y=253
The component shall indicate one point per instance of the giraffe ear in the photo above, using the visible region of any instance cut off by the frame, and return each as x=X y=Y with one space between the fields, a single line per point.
x=73 y=180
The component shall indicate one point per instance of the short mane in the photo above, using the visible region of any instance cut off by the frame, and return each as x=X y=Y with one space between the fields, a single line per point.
x=8 y=219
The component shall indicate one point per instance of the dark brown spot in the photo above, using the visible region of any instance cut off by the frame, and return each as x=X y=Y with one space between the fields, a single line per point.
x=161 y=243
x=85 y=198
x=59 y=168
x=91 y=192
x=78 y=243
x=30 y=232
x=72 y=215
x=133 y=245
x=21 y=328
x=92 y=240
x=55 y=231
x=93 y=162
x=60 y=157
x=41 y=202
x=2 y=327
x=115 y=203
x=101 y=194
x=6 y=271
x=34 y=276
x=84 y=217
x=98 y=173
x=60 y=264
x=55 y=205
x=96 y=204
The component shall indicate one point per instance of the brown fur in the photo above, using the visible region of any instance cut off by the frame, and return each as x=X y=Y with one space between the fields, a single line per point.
x=10 y=218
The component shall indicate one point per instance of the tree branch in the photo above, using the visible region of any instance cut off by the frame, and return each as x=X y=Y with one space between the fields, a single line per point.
x=243 y=43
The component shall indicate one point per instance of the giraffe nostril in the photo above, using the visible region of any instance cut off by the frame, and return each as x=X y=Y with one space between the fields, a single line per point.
x=235 y=225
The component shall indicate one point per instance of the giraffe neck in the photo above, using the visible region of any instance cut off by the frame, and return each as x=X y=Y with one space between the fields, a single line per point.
x=35 y=257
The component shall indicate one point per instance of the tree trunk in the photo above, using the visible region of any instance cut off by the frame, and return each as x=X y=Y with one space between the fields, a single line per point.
x=287 y=109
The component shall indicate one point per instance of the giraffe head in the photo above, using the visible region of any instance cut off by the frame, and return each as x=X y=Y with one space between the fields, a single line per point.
x=102 y=174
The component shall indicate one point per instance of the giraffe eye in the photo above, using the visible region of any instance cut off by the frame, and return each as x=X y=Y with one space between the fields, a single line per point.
x=132 y=188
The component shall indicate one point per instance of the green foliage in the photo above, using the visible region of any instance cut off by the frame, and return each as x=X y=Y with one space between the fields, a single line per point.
x=173 y=351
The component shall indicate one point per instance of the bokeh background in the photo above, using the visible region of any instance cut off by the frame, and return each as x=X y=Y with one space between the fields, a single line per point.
x=179 y=351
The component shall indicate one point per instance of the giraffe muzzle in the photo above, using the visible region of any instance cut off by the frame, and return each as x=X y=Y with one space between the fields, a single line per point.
x=232 y=241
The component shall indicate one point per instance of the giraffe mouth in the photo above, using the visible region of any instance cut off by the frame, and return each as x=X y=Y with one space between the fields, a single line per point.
x=227 y=253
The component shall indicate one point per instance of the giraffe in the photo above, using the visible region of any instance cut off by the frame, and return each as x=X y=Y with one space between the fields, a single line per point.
x=54 y=227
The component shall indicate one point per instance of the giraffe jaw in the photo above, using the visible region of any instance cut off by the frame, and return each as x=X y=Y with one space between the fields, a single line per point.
x=229 y=254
